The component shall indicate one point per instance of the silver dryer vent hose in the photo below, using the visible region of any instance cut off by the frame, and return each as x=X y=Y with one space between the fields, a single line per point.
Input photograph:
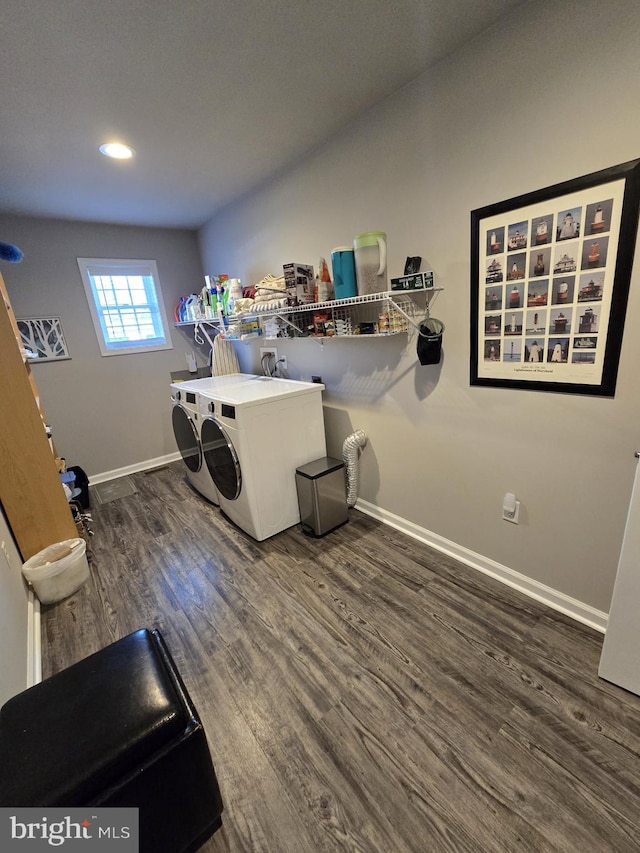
x=350 y=448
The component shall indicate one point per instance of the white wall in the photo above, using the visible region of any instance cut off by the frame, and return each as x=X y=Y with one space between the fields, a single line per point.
x=17 y=630
x=547 y=95
x=112 y=412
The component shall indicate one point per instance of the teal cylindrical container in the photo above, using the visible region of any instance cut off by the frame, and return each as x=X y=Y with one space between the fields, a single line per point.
x=344 y=272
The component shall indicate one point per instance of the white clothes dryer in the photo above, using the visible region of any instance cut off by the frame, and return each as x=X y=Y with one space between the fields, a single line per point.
x=254 y=436
x=185 y=417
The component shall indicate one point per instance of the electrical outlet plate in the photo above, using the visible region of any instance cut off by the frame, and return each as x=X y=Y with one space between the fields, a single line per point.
x=512 y=517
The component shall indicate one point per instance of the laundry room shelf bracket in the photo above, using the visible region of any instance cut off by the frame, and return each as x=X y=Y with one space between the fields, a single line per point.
x=286 y=320
x=411 y=319
x=199 y=328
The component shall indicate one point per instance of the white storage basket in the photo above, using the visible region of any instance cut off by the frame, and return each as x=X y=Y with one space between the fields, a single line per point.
x=58 y=570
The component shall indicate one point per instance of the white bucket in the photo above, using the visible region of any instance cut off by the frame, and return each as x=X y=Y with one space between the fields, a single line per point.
x=58 y=570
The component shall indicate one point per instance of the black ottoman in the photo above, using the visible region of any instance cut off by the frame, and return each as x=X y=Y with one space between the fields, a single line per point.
x=116 y=729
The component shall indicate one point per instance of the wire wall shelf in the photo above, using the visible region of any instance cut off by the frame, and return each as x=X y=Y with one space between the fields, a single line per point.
x=376 y=315
x=359 y=317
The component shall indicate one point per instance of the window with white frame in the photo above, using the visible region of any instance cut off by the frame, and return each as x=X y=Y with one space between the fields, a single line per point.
x=126 y=305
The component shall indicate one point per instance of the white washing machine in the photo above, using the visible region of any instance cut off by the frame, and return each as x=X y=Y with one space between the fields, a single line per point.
x=254 y=436
x=186 y=420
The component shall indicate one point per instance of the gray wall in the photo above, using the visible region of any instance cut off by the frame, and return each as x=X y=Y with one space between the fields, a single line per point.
x=112 y=412
x=548 y=95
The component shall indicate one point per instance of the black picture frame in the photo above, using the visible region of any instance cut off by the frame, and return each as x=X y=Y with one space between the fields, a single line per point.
x=550 y=275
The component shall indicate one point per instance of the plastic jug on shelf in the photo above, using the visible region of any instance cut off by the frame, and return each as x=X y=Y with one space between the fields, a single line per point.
x=371 y=262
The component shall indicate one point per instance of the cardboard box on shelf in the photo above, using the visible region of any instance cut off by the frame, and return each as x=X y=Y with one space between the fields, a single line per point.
x=300 y=283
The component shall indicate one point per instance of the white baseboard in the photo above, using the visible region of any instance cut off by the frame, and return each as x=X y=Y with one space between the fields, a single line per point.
x=540 y=592
x=34 y=640
x=94 y=479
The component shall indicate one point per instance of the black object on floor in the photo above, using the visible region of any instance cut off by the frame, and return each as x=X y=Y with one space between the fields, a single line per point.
x=82 y=483
x=116 y=729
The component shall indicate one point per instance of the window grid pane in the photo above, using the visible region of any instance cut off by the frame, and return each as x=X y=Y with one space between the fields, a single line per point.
x=134 y=318
x=128 y=324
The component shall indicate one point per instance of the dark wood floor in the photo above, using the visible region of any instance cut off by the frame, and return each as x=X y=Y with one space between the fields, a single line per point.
x=362 y=692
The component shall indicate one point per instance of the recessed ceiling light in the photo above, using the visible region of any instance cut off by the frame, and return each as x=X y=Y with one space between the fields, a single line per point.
x=116 y=150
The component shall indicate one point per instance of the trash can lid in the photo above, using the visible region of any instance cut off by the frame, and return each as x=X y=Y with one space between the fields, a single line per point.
x=320 y=467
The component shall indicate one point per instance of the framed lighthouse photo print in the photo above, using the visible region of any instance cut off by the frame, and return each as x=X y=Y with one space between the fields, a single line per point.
x=550 y=273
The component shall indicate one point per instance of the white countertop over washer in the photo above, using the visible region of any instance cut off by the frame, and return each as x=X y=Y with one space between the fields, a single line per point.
x=214 y=383
x=260 y=389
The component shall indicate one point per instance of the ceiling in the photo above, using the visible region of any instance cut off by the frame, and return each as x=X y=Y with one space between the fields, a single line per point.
x=215 y=96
